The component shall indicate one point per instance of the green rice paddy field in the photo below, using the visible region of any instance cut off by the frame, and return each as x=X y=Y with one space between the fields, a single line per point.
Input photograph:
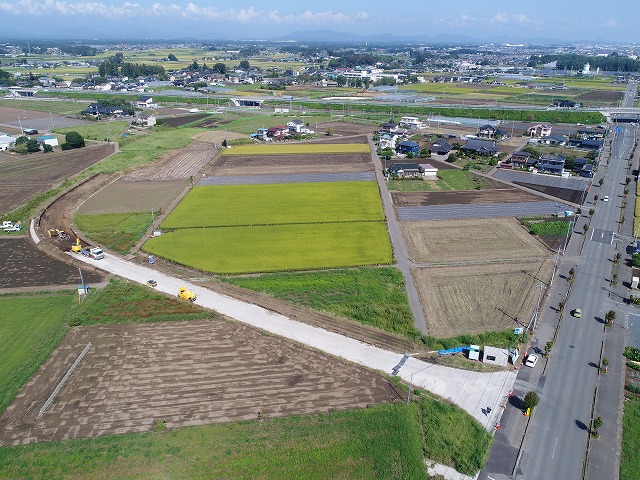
x=232 y=205
x=276 y=247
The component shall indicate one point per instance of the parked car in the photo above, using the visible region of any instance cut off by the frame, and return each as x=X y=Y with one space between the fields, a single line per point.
x=605 y=198
x=531 y=360
x=577 y=313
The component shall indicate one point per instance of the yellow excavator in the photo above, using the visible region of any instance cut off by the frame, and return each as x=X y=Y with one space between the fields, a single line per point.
x=76 y=247
x=185 y=294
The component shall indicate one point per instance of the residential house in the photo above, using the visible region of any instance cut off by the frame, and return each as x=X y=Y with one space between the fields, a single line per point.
x=405 y=170
x=100 y=110
x=295 y=126
x=429 y=172
x=480 y=147
x=539 y=130
x=441 y=147
x=407 y=146
x=277 y=133
x=489 y=131
x=145 y=101
x=261 y=134
x=588 y=170
x=553 y=140
x=591 y=144
x=549 y=163
x=147 y=119
x=589 y=134
x=48 y=140
x=579 y=163
x=519 y=159
x=410 y=122
x=387 y=140
x=388 y=127
x=6 y=140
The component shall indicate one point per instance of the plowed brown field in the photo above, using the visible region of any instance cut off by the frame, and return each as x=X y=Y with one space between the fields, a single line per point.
x=185 y=373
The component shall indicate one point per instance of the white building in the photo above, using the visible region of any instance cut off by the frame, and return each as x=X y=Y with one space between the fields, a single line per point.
x=410 y=122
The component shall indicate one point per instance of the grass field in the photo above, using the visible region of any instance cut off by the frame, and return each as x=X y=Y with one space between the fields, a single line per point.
x=31 y=328
x=126 y=302
x=62 y=107
x=276 y=248
x=307 y=148
x=447 y=180
x=546 y=228
x=373 y=296
x=250 y=124
x=381 y=442
x=290 y=203
x=140 y=150
x=97 y=131
x=630 y=461
x=115 y=231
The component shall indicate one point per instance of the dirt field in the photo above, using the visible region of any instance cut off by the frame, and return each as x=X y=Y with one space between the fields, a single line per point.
x=292 y=163
x=175 y=165
x=504 y=195
x=470 y=240
x=23 y=176
x=480 y=298
x=343 y=139
x=184 y=119
x=185 y=373
x=123 y=196
x=22 y=265
x=218 y=136
x=573 y=196
x=605 y=96
x=345 y=128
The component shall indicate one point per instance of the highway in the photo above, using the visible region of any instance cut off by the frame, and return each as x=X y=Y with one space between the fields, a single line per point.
x=556 y=442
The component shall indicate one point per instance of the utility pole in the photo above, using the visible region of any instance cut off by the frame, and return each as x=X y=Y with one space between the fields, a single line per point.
x=534 y=319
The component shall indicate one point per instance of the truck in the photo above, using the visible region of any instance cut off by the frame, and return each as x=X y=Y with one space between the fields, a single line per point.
x=95 y=253
x=185 y=294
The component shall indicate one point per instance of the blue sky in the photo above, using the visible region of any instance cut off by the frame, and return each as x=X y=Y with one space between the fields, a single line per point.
x=559 y=19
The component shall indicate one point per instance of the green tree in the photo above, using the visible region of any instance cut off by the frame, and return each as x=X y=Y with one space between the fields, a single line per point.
x=21 y=148
x=172 y=58
x=244 y=64
x=47 y=148
x=547 y=348
x=72 y=140
x=531 y=399
x=601 y=182
x=219 y=68
x=592 y=211
x=341 y=80
x=225 y=144
x=32 y=145
x=609 y=318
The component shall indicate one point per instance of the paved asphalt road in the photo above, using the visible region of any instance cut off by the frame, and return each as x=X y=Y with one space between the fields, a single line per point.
x=556 y=442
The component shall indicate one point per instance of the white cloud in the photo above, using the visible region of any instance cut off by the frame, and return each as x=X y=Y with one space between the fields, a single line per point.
x=189 y=11
x=500 y=18
x=611 y=23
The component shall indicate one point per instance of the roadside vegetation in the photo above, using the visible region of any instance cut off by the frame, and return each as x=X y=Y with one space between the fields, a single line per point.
x=630 y=461
x=31 y=328
x=538 y=226
x=127 y=302
x=116 y=231
x=372 y=296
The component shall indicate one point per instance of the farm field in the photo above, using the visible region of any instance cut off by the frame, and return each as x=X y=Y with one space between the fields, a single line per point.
x=449 y=179
x=122 y=196
x=250 y=124
x=36 y=323
x=102 y=131
x=275 y=247
x=471 y=299
x=212 y=206
x=452 y=241
x=630 y=463
x=291 y=164
x=23 y=266
x=298 y=148
x=372 y=296
x=39 y=108
x=498 y=195
x=116 y=231
x=23 y=176
x=191 y=373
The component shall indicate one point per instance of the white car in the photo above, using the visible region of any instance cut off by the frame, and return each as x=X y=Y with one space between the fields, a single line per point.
x=531 y=360
x=605 y=198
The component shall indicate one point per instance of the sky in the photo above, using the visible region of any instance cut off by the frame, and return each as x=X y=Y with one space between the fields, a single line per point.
x=570 y=20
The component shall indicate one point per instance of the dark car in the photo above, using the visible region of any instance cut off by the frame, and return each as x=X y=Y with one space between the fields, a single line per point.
x=30 y=131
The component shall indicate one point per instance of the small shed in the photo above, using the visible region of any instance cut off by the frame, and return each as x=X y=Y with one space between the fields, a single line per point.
x=474 y=352
x=48 y=140
x=495 y=356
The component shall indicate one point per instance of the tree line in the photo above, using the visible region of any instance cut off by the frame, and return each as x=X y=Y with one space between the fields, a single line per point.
x=115 y=66
x=573 y=61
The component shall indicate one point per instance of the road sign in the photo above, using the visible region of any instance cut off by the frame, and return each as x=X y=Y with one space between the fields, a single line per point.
x=617 y=129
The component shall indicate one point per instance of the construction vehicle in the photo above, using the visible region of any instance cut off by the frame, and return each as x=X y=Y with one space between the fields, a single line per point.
x=54 y=232
x=185 y=294
x=95 y=253
x=11 y=227
x=75 y=248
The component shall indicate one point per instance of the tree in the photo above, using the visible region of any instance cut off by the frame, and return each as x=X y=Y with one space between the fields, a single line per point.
x=585 y=228
x=596 y=425
x=72 y=140
x=547 y=348
x=592 y=211
x=531 y=399
x=601 y=182
x=172 y=58
x=329 y=131
x=244 y=64
x=47 y=148
x=595 y=198
x=341 y=80
x=219 y=68
x=225 y=144
x=21 y=148
x=32 y=145
x=609 y=318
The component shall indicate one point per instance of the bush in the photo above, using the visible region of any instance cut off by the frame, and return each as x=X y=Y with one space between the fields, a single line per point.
x=630 y=387
x=632 y=353
x=72 y=140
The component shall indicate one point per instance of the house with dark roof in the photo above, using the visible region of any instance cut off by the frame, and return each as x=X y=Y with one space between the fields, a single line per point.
x=588 y=170
x=388 y=127
x=591 y=144
x=579 y=163
x=295 y=126
x=97 y=109
x=277 y=133
x=145 y=101
x=441 y=147
x=553 y=140
x=519 y=159
x=489 y=131
x=405 y=170
x=480 y=147
x=407 y=146
x=549 y=163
